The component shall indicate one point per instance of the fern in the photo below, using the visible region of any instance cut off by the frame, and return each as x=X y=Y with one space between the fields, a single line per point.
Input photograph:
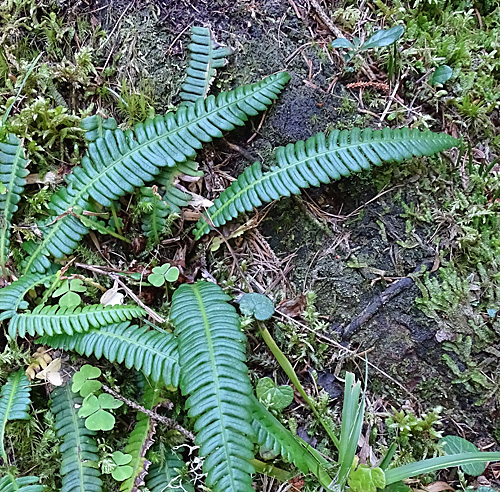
x=55 y=320
x=155 y=217
x=12 y=173
x=79 y=468
x=319 y=160
x=140 y=441
x=14 y=403
x=120 y=161
x=205 y=57
x=152 y=351
x=95 y=126
x=173 y=196
x=213 y=372
x=167 y=475
x=12 y=296
x=23 y=484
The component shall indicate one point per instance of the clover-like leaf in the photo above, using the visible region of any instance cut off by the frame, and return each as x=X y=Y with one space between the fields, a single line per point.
x=366 y=479
x=257 y=305
x=62 y=289
x=456 y=445
x=84 y=380
x=100 y=421
x=441 y=75
x=162 y=274
x=77 y=285
x=121 y=458
x=94 y=409
x=172 y=275
x=121 y=473
x=273 y=396
x=70 y=299
x=383 y=37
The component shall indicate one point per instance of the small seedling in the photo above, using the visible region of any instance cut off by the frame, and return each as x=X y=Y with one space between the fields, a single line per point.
x=257 y=305
x=272 y=396
x=163 y=274
x=68 y=292
x=441 y=75
x=122 y=470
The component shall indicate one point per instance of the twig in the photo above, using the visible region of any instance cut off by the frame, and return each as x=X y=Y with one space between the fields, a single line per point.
x=117 y=278
x=328 y=22
x=160 y=418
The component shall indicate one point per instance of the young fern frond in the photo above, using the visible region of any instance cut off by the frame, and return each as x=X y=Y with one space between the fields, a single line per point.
x=79 y=466
x=55 y=320
x=121 y=161
x=319 y=160
x=140 y=440
x=205 y=57
x=12 y=173
x=214 y=374
x=154 y=220
x=172 y=195
x=167 y=475
x=22 y=484
x=272 y=435
x=152 y=351
x=14 y=403
x=12 y=296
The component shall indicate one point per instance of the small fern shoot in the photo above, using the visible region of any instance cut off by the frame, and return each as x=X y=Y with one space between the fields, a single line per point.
x=212 y=351
x=79 y=468
x=12 y=173
x=155 y=214
x=168 y=475
x=319 y=160
x=22 y=484
x=14 y=404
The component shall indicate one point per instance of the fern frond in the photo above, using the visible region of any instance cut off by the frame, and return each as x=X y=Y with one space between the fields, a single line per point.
x=95 y=126
x=79 y=466
x=154 y=220
x=12 y=296
x=12 y=173
x=152 y=351
x=120 y=161
x=14 y=403
x=168 y=475
x=273 y=436
x=140 y=441
x=205 y=57
x=213 y=373
x=23 y=484
x=319 y=160
x=167 y=178
x=55 y=320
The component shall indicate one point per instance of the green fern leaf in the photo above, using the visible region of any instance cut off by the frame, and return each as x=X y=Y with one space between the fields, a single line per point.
x=95 y=126
x=154 y=220
x=14 y=403
x=12 y=173
x=167 y=475
x=120 y=161
x=205 y=57
x=140 y=440
x=12 y=296
x=172 y=195
x=152 y=351
x=55 y=320
x=213 y=372
x=23 y=484
x=319 y=160
x=79 y=468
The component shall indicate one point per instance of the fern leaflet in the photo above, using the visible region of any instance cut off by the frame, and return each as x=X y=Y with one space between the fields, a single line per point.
x=319 y=160
x=23 y=484
x=213 y=372
x=152 y=351
x=12 y=173
x=168 y=475
x=120 y=161
x=155 y=218
x=95 y=126
x=55 y=320
x=14 y=403
x=205 y=57
x=79 y=468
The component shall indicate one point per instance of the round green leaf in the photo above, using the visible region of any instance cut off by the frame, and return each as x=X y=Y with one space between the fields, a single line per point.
x=62 y=289
x=456 y=445
x=172 y=275
x=272 y=396
x=76 y=285
x=108 y=401
x=441 y=75
x=89 y=387
x=156 y=279
x=70 y=299
x=384 y=37
x=366 y=479
x=100 y=420
x=121 y=473
x=121 y=458
x=89 y=406
x=257 y=305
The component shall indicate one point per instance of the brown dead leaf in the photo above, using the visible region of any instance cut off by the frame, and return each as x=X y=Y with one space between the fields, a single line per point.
x=439 y=486
x=293 y=307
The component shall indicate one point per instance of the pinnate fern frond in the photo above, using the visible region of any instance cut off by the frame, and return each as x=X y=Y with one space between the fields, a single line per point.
x=95 y=126
x=140 y=440
x=22 y=484
x=205 y=57
x=55 y=320
x=12 y=296
x=14 y=403
x=155 y=218
x=79 y=466
x=167 y=475
x=214 y=375
x=12 y=173
x=319 y=160
x=150 y=350
x=121 y=161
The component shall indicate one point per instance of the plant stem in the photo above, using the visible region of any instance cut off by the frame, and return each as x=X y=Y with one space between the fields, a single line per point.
x=271 y=471
x=290 y=372
x=115 y=218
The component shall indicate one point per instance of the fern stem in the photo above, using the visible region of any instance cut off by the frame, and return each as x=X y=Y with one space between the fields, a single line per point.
x=115 y=218
x=100 y=228
x=290 y=372
x=272 y=471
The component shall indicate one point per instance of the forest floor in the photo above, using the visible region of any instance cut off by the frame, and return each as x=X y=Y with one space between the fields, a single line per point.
x=395 y=270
